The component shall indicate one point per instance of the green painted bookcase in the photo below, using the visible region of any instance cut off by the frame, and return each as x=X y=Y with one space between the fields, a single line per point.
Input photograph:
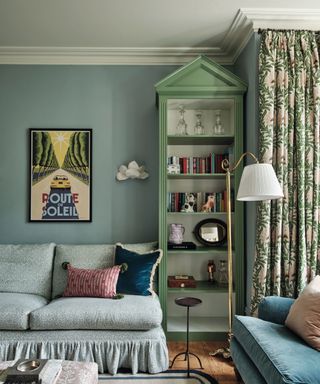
x=204 y=86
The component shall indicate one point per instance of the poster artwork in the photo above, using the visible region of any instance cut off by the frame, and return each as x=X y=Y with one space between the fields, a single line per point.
x=60 y=177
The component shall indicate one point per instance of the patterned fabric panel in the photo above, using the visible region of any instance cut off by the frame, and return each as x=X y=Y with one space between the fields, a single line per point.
x=287 y=230
x=26 y=268
x=92 y=282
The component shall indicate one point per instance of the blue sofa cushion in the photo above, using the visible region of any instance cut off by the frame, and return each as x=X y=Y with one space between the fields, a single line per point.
x=15 y=309
x=138 y=278
x=275 y=309
x=281 y=356
x=26 y=268
x=130 y=313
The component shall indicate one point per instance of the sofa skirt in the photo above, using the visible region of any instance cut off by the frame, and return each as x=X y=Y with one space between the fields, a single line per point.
x=144 y=351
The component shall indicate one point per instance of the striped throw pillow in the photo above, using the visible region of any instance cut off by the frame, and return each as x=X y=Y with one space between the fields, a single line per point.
x=92 y=282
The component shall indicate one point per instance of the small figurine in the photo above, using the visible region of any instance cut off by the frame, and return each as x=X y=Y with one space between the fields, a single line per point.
x=211 y=269
x=209 y=205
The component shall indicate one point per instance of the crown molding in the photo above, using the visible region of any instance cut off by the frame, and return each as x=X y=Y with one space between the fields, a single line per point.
x=106 y=56
x=282 y=18
x=237 y=36
x=246 y=22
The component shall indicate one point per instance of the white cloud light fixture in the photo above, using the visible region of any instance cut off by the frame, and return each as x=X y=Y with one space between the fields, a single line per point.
x=132 y=171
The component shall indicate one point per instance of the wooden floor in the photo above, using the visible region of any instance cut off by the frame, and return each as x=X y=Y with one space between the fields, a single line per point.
x=222 y=370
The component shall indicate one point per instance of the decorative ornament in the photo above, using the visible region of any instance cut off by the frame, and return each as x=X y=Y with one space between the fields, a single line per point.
x=132 y=171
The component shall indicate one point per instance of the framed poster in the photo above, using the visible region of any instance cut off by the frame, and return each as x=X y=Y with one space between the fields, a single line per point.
x=60 y=175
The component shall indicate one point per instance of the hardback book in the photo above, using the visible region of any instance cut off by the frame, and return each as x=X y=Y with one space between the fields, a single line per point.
x=183 y=245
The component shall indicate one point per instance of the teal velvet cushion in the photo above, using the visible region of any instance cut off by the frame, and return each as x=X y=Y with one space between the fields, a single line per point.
x=138 y=278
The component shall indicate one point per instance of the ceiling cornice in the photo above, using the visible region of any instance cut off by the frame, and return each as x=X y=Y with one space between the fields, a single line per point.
x=106 y=56
x=282 y=18
x=244 y=24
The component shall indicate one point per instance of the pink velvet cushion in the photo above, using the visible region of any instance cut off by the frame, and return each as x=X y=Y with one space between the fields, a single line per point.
x=92 y=282
x=304 y=315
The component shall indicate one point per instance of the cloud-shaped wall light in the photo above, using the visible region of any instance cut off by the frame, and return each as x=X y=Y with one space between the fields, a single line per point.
x=132 y=171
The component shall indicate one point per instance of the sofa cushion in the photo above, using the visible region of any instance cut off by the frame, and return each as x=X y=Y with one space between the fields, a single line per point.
x=129 y=313
x=86 y=256
x=275 y=308
x=15 y=309
x=280 y=355
x=304 y=315
x=26 y=268
x=92 y=282
x=138 y=279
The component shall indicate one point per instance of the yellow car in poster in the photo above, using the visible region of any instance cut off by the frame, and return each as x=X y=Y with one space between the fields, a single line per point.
x=60 y=181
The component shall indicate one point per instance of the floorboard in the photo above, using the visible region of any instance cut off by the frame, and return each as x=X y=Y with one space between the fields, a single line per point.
x=218 y=367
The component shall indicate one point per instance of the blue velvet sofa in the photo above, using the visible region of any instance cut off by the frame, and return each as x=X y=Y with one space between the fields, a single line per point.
x=37 y=322
x=264 y=350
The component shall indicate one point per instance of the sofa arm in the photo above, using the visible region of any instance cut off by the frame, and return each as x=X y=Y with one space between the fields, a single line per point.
x=275 y=309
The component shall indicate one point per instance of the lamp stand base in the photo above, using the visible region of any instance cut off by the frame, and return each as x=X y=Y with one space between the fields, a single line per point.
x=224 y=352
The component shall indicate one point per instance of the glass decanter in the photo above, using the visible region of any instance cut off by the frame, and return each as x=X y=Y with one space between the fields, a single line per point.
x=198 y=128
x=218 y=127
x=182 y=125
x=222 y=277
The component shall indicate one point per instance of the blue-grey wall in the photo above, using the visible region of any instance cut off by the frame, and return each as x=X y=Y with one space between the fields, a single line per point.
x=246 y=67
x=118 y=103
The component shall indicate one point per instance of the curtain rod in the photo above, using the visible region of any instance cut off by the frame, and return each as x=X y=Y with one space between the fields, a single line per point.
x=260 y=30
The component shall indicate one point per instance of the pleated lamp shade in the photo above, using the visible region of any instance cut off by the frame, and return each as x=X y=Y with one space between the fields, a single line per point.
x=259 y=182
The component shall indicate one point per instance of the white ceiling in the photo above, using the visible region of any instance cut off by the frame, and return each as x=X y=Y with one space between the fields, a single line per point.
x=136 y=28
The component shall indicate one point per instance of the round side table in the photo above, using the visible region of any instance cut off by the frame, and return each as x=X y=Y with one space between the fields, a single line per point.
x=187 y=302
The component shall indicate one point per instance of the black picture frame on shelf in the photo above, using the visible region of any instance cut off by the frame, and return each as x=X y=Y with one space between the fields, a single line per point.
x=211 y=232
x=60 y=175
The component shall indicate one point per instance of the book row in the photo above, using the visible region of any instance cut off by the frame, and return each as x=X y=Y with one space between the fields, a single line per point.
x=195 y=164
x=199 y=201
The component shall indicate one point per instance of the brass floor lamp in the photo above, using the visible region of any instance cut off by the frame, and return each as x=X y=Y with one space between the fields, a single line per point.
x=258 y=182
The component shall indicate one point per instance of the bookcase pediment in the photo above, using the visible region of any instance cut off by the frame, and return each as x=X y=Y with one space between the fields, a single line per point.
x=202 y=74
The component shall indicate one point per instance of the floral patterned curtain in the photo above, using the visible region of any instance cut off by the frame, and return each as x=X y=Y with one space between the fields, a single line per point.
x=288 y=238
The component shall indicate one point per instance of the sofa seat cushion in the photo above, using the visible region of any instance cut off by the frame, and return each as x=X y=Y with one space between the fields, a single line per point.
x=130 y=313
x=15 y=309
x=280 y=355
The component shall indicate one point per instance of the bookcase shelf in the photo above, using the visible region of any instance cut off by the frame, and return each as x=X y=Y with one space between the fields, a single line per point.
x=202 y=285
x=198 y=324
x=198 y=213
x=197 y=176
x=201 y=88
x=200 y=140
x=200 y=250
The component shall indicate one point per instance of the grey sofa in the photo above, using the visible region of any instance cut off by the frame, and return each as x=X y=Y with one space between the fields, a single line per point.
x=265 y=351
x=36 y=321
